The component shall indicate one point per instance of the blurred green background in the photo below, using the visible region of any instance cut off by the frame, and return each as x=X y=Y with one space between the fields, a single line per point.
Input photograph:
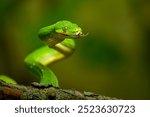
x=113 y=60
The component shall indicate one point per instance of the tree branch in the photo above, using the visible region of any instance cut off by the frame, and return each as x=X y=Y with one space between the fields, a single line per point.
x=21 y=92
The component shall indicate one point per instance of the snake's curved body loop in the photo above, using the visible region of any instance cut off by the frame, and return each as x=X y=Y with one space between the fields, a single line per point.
x=60 y=44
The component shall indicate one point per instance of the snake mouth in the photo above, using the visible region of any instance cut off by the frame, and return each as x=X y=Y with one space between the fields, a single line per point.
x=79 y=35
x=75 y=36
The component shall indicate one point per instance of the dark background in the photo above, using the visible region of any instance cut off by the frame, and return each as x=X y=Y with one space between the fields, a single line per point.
x=113 y=60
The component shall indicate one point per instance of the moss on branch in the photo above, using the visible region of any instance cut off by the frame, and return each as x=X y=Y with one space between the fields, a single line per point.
x=21 y=92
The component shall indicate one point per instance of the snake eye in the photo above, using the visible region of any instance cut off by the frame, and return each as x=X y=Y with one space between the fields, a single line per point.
x=65 y=28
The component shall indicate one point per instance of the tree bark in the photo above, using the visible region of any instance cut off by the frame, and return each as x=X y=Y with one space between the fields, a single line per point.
x=33 y=92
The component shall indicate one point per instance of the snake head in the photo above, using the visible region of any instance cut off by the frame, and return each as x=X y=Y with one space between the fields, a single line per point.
x=68 y=30
x=56 y=33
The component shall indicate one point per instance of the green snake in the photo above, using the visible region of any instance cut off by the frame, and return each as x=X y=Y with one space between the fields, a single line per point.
x=59 y=40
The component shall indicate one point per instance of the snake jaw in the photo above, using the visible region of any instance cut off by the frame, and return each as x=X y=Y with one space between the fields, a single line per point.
x=75 y=36
x=78 y=35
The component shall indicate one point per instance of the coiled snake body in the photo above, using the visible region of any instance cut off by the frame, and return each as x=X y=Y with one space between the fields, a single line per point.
x=59 y=44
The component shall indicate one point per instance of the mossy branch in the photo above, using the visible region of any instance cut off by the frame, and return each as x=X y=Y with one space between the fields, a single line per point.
x=21 y=92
